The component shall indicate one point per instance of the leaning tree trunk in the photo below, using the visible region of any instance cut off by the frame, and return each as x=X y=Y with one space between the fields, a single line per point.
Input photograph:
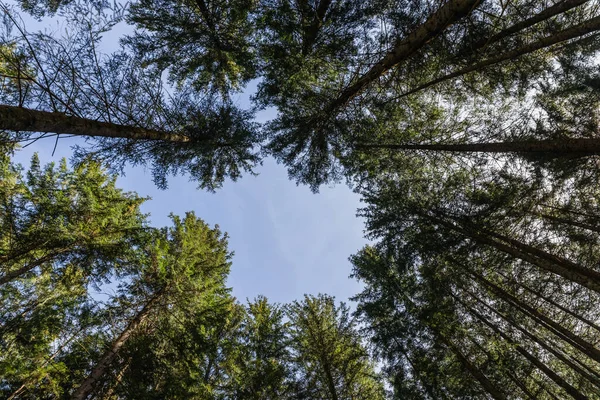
x=557 y=147
x=473 y=370
x=584 y=28
x=87 y=386
x=592 y=379
x=549 y=12
x=447 y=15
x=570 y=271
x=555 y=304
x=312 y=32
x=584 y=346
x=487 y=385
x=27 y=120
x=532 y=359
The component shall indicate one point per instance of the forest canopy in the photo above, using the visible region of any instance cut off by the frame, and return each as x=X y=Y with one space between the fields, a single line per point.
x=469 y=128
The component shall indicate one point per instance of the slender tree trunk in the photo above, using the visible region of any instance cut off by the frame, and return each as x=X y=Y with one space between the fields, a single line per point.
x=586 y=27
x=451 y=12
x=522 y=386
x=28 y=120
x=532 y=359
x=550 y=263
x=330 y=382
x=118 y=380
x=312 y=32
x=29 y=382
x=555 y=304
x=417 y=373
x=570 y=222
x=577 y=342
x=590 y=370
x=594 y=380
x=473 y=370
x=487 y=385
x=86 y=387
x=517 y=382
x=549 y=12
x=9 y=276
x=561 y=147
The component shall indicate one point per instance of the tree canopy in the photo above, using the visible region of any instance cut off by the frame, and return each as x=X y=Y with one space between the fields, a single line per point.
x=470 y=129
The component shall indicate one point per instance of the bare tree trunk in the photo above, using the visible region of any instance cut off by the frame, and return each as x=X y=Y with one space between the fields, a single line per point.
x=532 y=359
x=86 y=387
x=555 y=147
x=473 y=370
x=593 y=379
x=118 y=380
x=560 y=331
x=586 y=27
x=549 y=12
x=575 y=273
x=26 y=120
x=447 y=15
x=312 y=32
x=555 y=304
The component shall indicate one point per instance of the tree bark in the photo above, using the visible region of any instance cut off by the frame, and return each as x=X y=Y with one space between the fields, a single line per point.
x=594 y=380
x=27 y=120
x=559 y=147
x=473 y=370
x=448 y=14
x=551 y=263
x=532 y=359
x=577 y=342
x=549 y=12
x=109 y=393
x=586 y=27
x=555 y=304
x=86 y=387
x=312 y=32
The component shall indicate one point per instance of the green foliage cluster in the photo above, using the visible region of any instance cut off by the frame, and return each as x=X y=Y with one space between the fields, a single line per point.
x=171 y=329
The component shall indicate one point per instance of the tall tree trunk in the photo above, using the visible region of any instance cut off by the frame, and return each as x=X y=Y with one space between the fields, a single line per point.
x=487 y=385
x=27 y=120
x=86 y=387
x=451 y=12
x=549 y=12
x=550 y=263
x=330 y=383
x=570 y=222
x=555 y=304
x=512 y=377
x=9 y=276
x=522 y=386
x=577 y=369
x=310 y=35
x=586 y=27
x=532 y=359
x=109 y=393
x=473 y=370
x=577 y=342
x=417 y=373
x=560 y=147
